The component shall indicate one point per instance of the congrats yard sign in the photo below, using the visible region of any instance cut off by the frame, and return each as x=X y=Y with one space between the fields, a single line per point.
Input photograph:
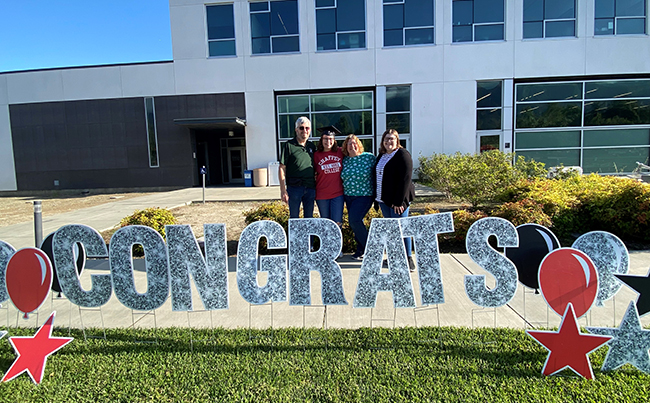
x=570 y=279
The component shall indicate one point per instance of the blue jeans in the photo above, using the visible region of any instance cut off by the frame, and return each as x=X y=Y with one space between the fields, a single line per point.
x=304 y=195
x=331 y=208
x=358 y=207
x=388 y=212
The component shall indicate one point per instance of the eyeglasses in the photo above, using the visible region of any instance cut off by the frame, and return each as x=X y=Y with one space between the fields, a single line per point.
x=304 y=128
x=389 y=139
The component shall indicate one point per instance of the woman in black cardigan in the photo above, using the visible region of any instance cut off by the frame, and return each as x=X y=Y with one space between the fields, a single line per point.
x=393 y=186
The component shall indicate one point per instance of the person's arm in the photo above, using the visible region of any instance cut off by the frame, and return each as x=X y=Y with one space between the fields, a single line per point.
x=404 y=165
x=282 y=173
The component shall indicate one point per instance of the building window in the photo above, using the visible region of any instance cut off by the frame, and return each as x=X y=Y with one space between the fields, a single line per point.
x=489 y=104
x=489 y=114
x=351 y=113
x=408 y=22
x=152 y=135
x=398 y=113
x=221 y=30
x=478 y=20
x=274 y=27
x=340 y=24
x=620 y=17
x=602 y=126
x=549 y=18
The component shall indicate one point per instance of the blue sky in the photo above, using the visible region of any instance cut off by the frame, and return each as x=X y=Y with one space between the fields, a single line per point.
x=37 y=34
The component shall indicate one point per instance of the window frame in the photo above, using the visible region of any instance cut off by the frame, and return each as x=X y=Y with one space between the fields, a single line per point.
x=337 y=32
x=207 y=34
x=152 y=138
x=616 y=19
x=271 y=36
x=474 y=24
x=388 y=3
x=545 y=20
x=315 y=136
x=403 y=136
x=583 y=128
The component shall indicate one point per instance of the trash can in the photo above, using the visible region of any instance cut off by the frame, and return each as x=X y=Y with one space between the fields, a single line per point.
x=248 y=178
x=260 y=177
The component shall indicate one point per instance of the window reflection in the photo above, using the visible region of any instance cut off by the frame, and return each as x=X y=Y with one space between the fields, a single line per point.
x=477 y=20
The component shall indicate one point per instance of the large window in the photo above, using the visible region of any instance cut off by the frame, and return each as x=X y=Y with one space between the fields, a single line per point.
x=274 y=27
x=408 y=22
x=351 y=113
x=340 y=24
x=398 y=113
x=221 y=30
x=152 y=134
x=478 y=20
x=620 y=17
x=549 y=18
x=603 y=126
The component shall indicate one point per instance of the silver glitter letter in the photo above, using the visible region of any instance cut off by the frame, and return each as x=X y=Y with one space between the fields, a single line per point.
x=210 y=274
x=155 y=258
x=276 y=266
x=503 y=270
x=385 y=234
x=302 y=261
x=63 y=244
x=424 y=230
x=610 y=257
x=6 y=252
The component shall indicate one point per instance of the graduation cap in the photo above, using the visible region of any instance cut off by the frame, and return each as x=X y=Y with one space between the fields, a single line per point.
x=329 y=130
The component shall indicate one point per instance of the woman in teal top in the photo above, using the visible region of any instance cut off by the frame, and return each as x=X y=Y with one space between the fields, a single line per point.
x=357 y=189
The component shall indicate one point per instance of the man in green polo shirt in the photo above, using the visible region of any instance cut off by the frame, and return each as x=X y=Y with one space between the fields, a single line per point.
x=297 y=180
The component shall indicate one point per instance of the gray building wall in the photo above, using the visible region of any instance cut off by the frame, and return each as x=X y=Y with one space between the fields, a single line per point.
x=103 y=143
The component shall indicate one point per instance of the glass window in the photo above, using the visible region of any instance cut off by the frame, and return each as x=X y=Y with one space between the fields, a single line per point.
x=488 y=143
x=549 y=92
x=477 y=20
x=553 y=158
x=550 y=114
x=274 y=27
x=549 y=18
x=613 y=160
x=408 y=22
x=549 y=139
x=340 y=24
x=612 y=105
x=351 y=113
x=606 y=138
x=489 y=105
x=221 y=30
x=152 y=134
x=620 y=17
x=398 y=112
x=623 y=112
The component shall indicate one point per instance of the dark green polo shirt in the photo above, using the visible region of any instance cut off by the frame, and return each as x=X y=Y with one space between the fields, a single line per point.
x=299 y=161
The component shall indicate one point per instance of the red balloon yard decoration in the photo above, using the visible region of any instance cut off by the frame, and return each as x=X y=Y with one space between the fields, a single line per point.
x=29 y=278
x=566 y=276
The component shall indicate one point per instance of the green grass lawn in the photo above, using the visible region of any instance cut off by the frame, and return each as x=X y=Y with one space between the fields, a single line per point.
x=411 y=364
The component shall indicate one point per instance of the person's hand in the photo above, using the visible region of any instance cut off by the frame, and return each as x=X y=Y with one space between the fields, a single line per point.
x=285 y=197
x=398 y=209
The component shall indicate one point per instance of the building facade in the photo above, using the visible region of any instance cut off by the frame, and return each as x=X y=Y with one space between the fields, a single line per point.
x=562 y=81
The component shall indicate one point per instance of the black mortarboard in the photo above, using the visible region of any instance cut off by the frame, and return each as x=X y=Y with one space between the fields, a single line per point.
x=331 y=130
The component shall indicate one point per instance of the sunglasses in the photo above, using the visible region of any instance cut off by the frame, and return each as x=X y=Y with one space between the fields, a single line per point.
x=305 y=128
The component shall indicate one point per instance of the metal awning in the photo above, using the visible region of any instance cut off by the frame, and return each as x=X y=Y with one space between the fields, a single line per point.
x=211 y=123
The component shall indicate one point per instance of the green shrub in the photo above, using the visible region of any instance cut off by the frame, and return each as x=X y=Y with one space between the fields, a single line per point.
x=153 y=217
x=523 y=212
x=476 y=178
x=580 y=204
